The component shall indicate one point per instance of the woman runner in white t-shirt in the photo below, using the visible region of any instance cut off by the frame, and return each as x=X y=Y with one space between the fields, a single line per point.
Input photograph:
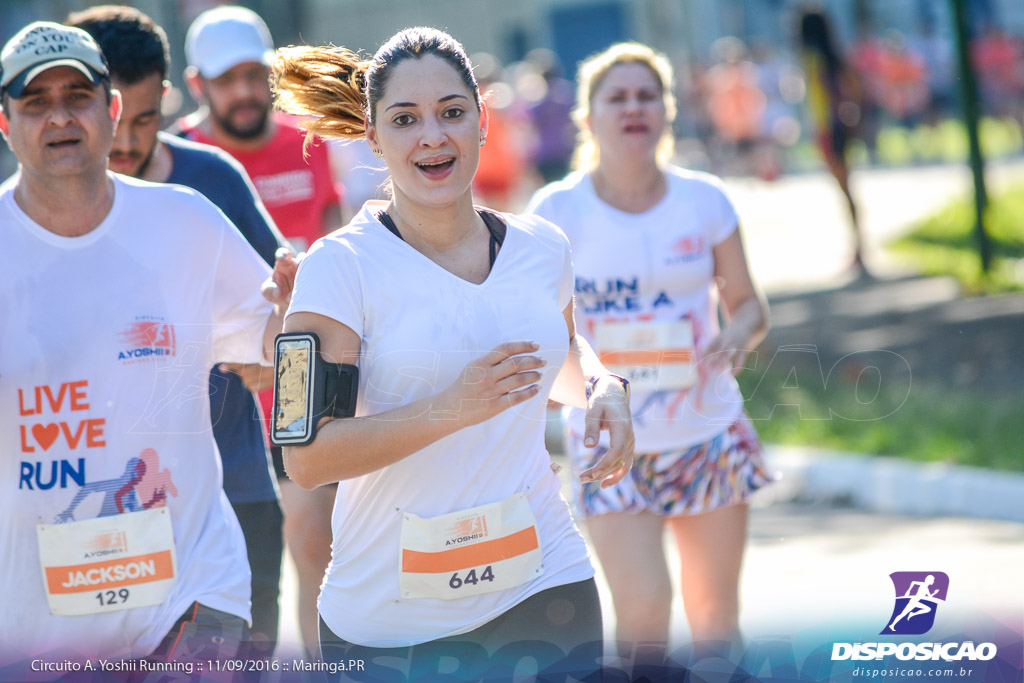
x=450 y=534
x=655 y=249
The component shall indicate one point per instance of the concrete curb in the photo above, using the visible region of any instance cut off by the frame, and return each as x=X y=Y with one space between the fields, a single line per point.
x=893 y=486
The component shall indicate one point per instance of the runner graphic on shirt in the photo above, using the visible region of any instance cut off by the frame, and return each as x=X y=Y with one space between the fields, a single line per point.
x=142 y=486
x=156 y=483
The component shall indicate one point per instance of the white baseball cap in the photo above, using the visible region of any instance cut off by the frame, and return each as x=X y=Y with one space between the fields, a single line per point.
x=44 y=45
x=223 y=37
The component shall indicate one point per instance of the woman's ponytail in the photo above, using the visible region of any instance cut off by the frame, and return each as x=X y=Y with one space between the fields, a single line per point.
x=325 y=87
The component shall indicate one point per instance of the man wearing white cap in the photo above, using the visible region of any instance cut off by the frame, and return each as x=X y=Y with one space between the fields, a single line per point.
x=117 y=297
x=229 y=51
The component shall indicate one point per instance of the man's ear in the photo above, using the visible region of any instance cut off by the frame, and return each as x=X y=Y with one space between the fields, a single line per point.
x=5 y=124
x=115 y=106
x=195 y=83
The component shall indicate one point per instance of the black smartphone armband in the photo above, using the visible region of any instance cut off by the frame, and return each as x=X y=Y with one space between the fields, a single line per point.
x=307 y=388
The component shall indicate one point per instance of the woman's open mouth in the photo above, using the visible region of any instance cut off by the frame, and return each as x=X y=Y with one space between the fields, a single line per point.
x=436 y=169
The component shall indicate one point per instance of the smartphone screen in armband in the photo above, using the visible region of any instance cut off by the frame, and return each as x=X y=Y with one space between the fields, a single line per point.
x=292 y=422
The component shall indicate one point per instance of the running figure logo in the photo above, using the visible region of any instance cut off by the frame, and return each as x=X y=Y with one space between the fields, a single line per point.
x=147 y=338
x=917 y=597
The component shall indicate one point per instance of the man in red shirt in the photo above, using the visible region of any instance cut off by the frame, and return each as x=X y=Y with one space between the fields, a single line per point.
x=229 y=52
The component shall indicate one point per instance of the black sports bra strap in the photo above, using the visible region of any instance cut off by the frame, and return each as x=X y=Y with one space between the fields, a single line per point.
x=386 y=221
x=497 y=228
x=495 y=225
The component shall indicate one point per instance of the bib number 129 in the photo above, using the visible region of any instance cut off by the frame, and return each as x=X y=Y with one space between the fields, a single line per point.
x=112 y=597
x=471 y=578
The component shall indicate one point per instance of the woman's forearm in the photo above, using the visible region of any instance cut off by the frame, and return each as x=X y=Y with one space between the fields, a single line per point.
x=582 y=364
x=749 y=320
x=350 y=447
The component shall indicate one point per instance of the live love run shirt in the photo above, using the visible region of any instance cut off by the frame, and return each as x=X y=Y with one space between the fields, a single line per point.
x=237 y=424
x=295 y=187
x=420 y=325
x=106 y=341
x=657 y=265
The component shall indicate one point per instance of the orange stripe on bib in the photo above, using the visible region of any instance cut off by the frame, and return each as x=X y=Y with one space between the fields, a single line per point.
x=475 y=555
x=643 y=357
x=124 y=571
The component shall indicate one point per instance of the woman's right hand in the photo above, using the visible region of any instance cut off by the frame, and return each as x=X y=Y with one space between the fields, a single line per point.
x=277 y=289
x=491 y=384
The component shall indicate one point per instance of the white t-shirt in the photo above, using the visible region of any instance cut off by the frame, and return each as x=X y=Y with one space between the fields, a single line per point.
x=106 y=341
x=653 y=266
x=420 y=325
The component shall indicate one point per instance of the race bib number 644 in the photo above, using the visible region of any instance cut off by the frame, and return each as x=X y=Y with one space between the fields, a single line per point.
x=480 y=550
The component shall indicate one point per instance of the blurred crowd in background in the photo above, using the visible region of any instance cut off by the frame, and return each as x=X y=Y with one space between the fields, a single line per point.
x=742 y=98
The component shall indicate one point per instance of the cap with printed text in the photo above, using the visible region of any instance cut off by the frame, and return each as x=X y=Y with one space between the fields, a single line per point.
x=44 y=45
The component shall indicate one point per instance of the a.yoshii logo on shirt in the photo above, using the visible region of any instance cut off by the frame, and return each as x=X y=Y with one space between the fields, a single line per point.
x=146 y=338
x=686 y=249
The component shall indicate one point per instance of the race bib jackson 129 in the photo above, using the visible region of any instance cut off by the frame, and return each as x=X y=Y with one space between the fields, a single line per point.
x=480 y=550
x=108 y=563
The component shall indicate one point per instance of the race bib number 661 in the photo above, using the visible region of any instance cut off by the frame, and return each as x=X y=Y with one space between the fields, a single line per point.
x=652 y=355
x=480 y=550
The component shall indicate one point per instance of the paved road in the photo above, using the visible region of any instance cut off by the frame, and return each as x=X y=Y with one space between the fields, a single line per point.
x=796 y=228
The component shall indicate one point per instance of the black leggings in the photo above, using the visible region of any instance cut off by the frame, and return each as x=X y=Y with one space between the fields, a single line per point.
x=555 y=634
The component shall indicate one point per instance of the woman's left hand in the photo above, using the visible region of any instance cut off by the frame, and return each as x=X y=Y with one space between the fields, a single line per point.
x=727 y=350
x=608 y=408
x=277 y=289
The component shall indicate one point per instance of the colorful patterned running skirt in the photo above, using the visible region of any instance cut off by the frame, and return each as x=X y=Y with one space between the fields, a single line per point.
x=723 y=471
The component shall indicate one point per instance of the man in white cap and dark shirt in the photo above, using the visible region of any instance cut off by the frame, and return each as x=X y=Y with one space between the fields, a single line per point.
x=118 y=296
x=229 y=51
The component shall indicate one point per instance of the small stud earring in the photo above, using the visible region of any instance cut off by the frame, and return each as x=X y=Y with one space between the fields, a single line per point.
x=378 y=153
x=482 y=141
